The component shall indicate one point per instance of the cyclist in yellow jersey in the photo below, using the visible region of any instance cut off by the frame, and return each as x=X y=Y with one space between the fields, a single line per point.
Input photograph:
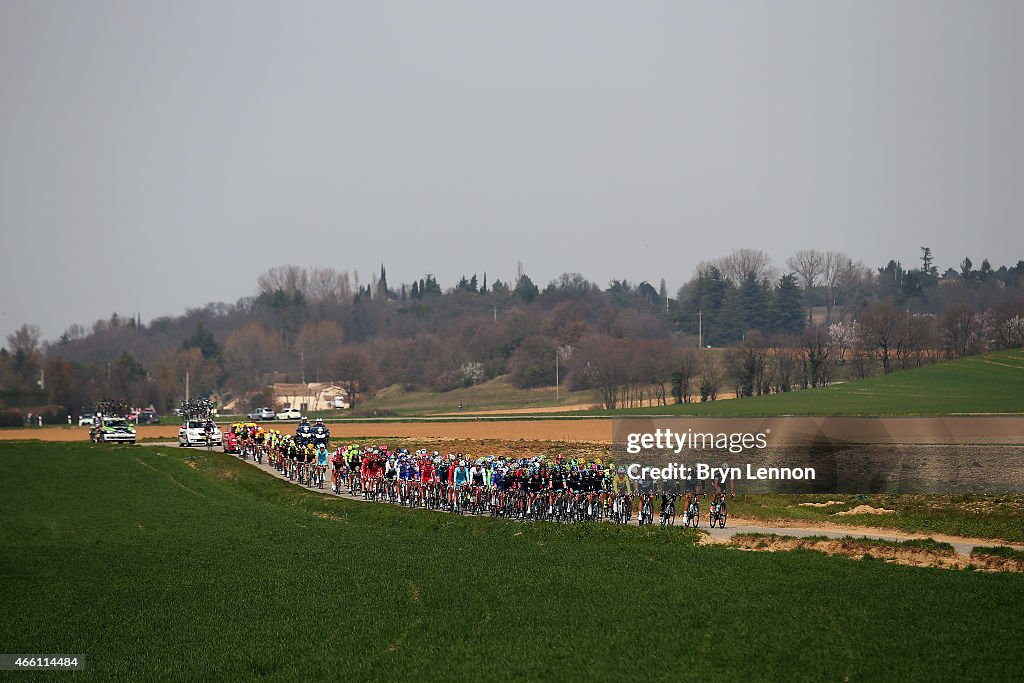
x=620 y=482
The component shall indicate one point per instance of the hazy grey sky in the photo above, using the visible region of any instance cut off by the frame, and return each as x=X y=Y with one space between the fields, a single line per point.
x=157 y=156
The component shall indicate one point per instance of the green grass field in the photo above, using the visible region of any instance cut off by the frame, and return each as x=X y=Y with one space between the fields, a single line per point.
x=990 y=383
x=162 y=563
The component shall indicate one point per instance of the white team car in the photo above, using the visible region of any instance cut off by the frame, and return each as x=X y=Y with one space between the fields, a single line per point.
x=193 y=433
x=289 y=414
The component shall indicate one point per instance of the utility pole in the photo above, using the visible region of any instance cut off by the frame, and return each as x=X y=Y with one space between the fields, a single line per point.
x=302 y=365
x=556 y=376
x=186 y=386
x=700 y=328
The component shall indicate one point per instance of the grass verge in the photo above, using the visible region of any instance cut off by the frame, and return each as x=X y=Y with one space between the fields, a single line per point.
x=998 y=551
x=997 y=517
x=929 y=544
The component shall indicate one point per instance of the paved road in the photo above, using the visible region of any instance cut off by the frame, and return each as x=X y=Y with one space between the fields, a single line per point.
x=963 y=546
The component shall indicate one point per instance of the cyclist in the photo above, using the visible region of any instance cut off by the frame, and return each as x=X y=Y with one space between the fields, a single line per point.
x=644 y=489
x=620 y=482
x=479 y=479
x=321 y=463
x=693 y=489
x=208 y=432
x=721 y=476
x=309 y=458
x=355 y=466
x=428 y=474
x=260 y=439
x=390 y=469
x=669 y=493
x=556 y=482
x=459 y=478
x=337 y=467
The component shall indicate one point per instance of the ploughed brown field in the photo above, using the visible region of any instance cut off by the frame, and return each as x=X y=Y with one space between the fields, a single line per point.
x=888 y=430
x=591 y=431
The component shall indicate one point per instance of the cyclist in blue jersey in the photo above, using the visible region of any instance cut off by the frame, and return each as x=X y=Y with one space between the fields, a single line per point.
x=460 y=476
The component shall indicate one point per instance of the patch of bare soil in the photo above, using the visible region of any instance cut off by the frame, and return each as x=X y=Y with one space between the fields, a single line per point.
x=821 y=505
x=324 y=515
x=806 y=525
x=997 y=563
x=708 y=539
x=864 y=510
x=856 y=549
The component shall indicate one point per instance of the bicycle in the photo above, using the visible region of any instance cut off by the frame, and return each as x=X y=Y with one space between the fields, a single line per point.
x=668 y=511
x=622 y=508
x=693 y=513
x=718 y=512
x=646 y=512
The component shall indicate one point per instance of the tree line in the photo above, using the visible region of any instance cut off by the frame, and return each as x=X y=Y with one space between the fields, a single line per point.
x=771 y=329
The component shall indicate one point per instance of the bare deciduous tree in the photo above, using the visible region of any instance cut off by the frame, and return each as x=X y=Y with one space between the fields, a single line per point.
x=328 y=285
x=880 y=329
x=250 y=351
x=787 y=361
x=817 y=357
x=854 y=285
x=834 y=264
x=1008 y=325
x=808 y=264
x=317 y=340
x=288 y=279
x=24 y=340
x=742 y=264
x=709 y=377
x=687 y=366
x=356 y=372
x=961 y=331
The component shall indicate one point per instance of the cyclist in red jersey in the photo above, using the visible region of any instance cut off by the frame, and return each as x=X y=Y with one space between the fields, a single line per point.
x=337 y=463
x=427 y=471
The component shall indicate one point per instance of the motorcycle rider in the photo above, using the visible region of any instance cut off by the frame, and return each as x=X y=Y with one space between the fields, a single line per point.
x=304 y=432
x=321 y=435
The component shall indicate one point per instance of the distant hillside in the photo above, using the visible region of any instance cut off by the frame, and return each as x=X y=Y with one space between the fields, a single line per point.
x=495 y=395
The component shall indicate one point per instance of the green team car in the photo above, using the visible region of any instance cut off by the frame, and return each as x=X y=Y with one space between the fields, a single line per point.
x=113 y=430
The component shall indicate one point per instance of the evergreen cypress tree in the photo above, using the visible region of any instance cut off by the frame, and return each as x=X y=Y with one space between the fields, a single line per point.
x=787 y=307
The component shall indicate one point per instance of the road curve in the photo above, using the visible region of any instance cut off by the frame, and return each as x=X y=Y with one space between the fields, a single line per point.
x=963 y=546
